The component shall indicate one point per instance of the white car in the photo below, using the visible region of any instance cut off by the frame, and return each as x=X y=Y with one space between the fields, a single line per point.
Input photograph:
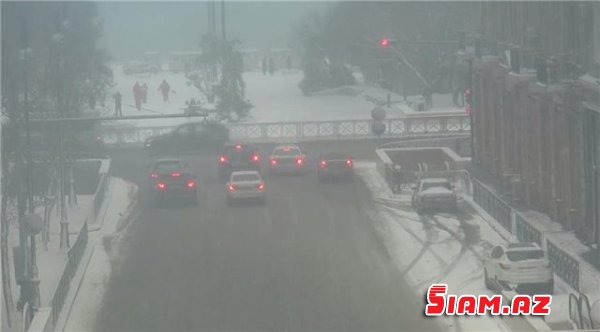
x=434 y=194
x=246 y=185
x=287 y=158
x=522 y=266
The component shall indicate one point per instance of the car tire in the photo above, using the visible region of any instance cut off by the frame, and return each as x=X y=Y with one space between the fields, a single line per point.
x=194 y=200
x=486 y=280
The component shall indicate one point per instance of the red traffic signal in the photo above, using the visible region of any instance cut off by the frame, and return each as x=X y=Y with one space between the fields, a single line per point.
x=384 y=42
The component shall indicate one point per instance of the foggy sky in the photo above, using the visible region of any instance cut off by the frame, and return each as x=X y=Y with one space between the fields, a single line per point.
x=132 y=28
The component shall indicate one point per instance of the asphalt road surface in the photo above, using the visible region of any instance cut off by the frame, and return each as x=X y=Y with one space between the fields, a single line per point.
x=310 y=260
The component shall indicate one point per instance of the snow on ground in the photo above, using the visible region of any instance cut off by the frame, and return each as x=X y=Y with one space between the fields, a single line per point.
x=276 y=98
x=430 y=249
x=97 y=272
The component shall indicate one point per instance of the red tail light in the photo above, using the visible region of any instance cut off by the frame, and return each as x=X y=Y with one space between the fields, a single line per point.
x=323 y=163
x=260 y=186
x=300 y=161
x=154 y=175
x=161 y=186
x=175 y=174
x=349 y=163
x=231 y=187
x=273 y=162
x=286 y=149
x=223 y=159
x=191 y=184
x=255 y=158
x=238 y=147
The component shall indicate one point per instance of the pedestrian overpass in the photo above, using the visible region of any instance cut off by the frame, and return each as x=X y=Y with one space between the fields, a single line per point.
x=451 y=124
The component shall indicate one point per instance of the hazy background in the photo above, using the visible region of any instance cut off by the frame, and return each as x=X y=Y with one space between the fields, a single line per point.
x=132 y=28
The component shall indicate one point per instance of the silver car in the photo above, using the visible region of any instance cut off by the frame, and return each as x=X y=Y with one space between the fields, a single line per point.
x=287 y=159
x=246 y=185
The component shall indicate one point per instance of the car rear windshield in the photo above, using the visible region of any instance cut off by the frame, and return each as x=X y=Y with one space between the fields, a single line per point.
x=167 y=166
x=335 y=156
x=521 y=255
x=245 y=177
x=437 y=185
x=287 y=152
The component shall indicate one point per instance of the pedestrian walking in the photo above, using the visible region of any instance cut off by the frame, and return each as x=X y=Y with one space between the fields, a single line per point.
x=397 y=178
x=165 y=88
x=118 y=111
x=264 y=65
x=137 y=95
x=271 y=66
x=144 y=93
x=428 y=96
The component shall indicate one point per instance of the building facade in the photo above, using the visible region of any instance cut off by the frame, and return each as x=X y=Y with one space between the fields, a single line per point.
x=536 y=85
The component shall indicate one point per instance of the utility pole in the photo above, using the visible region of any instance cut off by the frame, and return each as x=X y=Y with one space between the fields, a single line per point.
x=223 y=30
x=64 y=224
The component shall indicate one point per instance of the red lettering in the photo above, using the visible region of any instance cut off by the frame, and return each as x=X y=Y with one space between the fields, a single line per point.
x=521 y=305
x=541 y=305
x=436 y=299
x=451 y=306
x=466 y=305
x=493 y=304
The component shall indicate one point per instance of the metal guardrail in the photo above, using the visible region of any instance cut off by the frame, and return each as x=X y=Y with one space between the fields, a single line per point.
x=74 y=257
x=99 y=195
x=580 y=312
x=493 y=205
x=563 y=265
x=526 y=232
x=412 y=126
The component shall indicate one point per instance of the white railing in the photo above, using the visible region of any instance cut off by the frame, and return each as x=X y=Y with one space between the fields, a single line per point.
x=408 y=126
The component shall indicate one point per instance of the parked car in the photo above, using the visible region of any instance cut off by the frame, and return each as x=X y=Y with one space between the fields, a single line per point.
x=238 y=157
x=246 y=185
x=522 y=266
x=434 y=194
x=140 y=68
x=287 y=159
x=335 y=165
x=169 y=180
x=204 y=135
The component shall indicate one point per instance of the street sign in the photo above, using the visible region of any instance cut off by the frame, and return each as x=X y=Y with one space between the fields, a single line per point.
x=378 y=114
x=378 y=128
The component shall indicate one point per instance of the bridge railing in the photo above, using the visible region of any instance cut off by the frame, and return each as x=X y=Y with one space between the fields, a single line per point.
x=413 y=126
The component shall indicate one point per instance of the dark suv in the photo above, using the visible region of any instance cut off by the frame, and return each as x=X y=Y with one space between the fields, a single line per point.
x=335 y=165
x=204 y=135
x=169 y=181
x=238 y=157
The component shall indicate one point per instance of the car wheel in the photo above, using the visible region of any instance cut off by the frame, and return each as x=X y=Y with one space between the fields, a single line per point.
x=194 y=200
x=486 y=280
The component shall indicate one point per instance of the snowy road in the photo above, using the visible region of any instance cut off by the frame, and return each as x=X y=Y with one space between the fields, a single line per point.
x=309 y=260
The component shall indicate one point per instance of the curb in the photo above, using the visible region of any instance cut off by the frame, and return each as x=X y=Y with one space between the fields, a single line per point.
x=62 y=324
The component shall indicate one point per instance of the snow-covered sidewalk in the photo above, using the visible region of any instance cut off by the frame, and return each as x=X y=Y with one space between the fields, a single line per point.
x=432 y=249
x=90 y=282
x=275 y=98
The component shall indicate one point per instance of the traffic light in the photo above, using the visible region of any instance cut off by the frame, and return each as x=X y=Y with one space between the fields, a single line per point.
x=469 y=97
x=384 y=42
